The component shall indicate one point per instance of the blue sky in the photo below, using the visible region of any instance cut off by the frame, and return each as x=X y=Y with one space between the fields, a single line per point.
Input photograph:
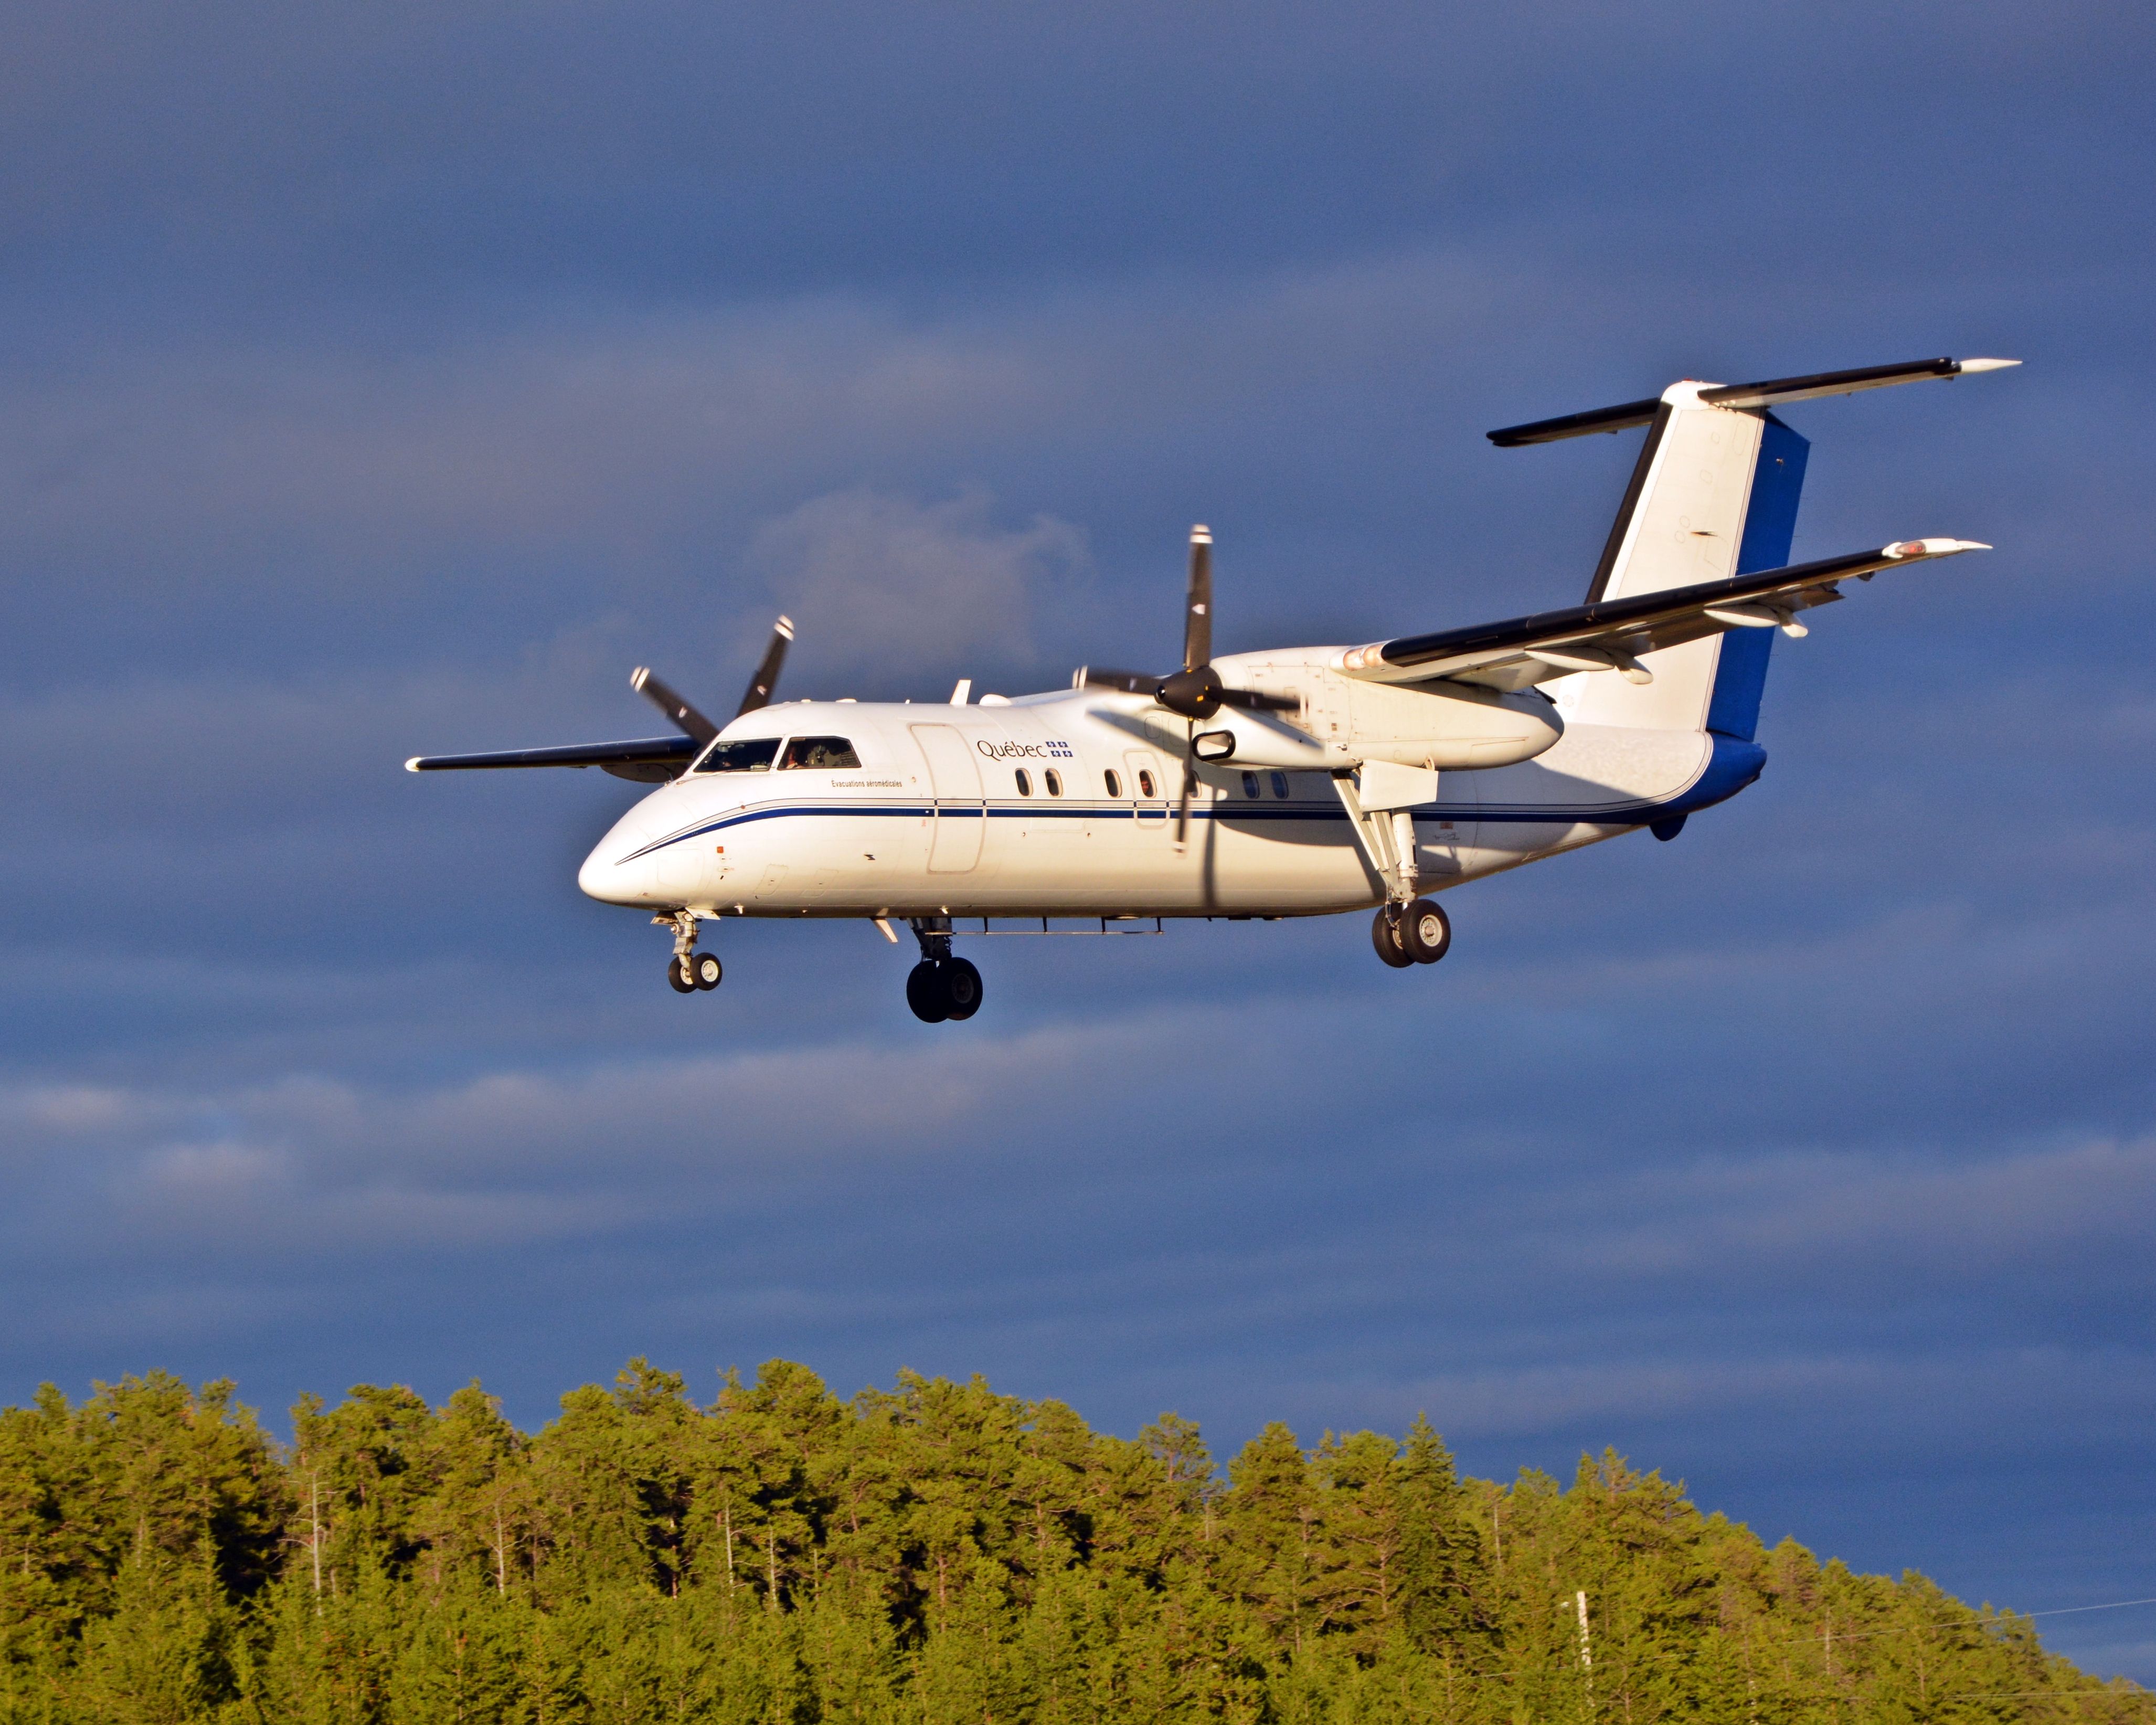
x=390 y=379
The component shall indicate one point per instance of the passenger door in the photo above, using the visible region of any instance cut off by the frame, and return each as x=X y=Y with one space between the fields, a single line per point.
x=961 y=815
x=1144 y=769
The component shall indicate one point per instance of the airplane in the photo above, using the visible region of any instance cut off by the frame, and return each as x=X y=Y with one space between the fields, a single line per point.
x=1292 y=781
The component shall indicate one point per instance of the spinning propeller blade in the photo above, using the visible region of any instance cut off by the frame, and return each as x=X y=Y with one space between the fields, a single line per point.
x=1196 y=691
x=672 y=704
x=654 y=760
x=1196 y=661
x=766 y=674
x=1125 y=682
x=1197 y=605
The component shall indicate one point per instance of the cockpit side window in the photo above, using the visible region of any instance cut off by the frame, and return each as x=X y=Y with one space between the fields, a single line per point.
x=827 y=754
x=748 y=754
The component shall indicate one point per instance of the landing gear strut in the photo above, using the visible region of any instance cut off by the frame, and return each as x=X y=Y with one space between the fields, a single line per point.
x=690 y=972
x=941 y=986
x=1407 y=929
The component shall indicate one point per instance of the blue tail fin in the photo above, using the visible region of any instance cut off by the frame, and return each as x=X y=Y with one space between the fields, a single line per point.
x=1770 y=525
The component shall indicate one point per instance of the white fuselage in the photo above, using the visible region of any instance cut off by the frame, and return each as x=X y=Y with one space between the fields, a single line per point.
x=935 y=820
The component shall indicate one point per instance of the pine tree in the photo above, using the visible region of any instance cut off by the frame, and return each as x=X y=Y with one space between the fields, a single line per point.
x=928 y=1553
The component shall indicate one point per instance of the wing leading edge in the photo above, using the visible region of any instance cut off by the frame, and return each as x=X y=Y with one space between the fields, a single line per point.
x=1612 y=635
x=652 y=759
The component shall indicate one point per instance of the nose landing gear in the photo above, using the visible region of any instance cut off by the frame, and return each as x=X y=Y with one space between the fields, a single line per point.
x=941 y=986
x=704 y=970
x=690 y=972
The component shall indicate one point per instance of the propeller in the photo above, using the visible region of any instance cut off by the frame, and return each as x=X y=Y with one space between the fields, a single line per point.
x=683 y=712
x=766 y=673
x=1196 y=691
x=672 y=703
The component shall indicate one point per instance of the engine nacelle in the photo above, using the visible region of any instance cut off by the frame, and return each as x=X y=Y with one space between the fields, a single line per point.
x=1446 y=725
x=1344 y=721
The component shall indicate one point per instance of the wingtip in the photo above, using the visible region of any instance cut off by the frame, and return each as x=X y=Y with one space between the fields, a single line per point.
x=639 y=677
x=1986 y=365
x=784 y=627
x=1933 y=547
x=412 y=765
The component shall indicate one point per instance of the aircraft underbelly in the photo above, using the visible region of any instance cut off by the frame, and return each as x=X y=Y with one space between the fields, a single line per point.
x=1067 y=863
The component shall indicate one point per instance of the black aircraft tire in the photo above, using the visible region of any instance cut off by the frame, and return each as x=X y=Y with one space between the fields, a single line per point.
x=962 y=989
x=705 y=968
x=1384 y=935
x=924 y=993
x=1425 y=931
x=678 y=976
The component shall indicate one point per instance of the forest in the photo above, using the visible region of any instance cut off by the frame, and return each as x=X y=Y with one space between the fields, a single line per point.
x=932 y=1552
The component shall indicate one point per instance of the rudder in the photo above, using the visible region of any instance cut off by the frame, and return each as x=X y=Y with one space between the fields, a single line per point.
x=1770 y=527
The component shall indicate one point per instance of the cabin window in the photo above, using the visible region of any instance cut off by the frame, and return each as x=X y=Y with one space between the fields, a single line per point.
x=1249 y=784
x=1024 y=783
x=828 y=754
x=749 y=754
x=1279 y=784
x=1115 y=784
x=1054 y=781
x=1145 y=783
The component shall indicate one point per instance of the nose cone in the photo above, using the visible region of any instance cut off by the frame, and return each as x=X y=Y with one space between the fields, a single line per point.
x=614 y=873
x=604 y=878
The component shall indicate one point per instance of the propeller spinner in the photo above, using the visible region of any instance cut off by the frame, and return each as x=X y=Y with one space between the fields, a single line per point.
x=1196 y=691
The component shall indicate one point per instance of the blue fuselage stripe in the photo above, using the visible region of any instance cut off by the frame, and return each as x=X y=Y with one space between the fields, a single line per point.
x=1635 y=814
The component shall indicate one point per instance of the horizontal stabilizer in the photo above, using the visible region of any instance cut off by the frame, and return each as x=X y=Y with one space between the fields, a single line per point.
x=650 y=758
x=1772 y=392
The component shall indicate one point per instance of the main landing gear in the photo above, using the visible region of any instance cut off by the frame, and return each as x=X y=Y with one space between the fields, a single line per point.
x=1417 y=933
x=1409 y=929
x=941 y=986
x=690 y=972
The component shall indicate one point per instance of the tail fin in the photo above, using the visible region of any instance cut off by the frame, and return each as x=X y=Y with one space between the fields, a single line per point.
x=1714 y=494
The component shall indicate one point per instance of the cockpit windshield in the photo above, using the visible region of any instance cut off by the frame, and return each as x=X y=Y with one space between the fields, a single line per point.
x=830 y=753
x=749 y=754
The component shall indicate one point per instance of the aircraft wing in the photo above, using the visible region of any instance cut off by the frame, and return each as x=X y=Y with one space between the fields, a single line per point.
x=652 y=759
x=1613 y=635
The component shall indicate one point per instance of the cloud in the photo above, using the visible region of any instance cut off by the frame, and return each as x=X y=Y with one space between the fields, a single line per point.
x=313 y=1165
x=1946 y=1394
x=882 y=579
x=393 y=384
